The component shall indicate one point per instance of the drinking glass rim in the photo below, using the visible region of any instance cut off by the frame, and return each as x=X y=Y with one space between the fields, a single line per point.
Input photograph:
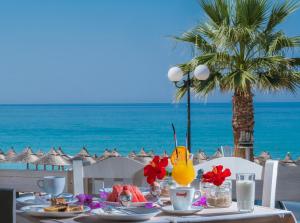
x=182 y=188
x=53 y=177
x=248 y=174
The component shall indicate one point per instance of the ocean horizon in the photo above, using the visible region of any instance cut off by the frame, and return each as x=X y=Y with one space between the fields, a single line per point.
x=131 y=126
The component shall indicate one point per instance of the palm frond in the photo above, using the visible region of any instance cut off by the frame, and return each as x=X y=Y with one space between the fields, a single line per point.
x=268 y=62
x=295 y=61
x=276 y=80
x=238 y=81
x=280 y=11
x=282 y=42
x=180 y=93
x=203 y=88
x=217 y=11
x=197 y=40
x=251 y=13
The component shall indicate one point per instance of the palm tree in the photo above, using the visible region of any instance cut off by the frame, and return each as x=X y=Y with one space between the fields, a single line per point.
x=246 y=51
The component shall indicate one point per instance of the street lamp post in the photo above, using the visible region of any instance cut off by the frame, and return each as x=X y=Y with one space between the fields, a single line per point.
x=175 y=74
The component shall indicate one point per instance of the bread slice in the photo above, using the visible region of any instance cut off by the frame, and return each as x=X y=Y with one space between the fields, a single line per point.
x=58 y=201
x=74 y=208
x=55 y=209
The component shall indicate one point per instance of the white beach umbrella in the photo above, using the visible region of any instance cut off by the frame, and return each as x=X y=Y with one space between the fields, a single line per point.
x=106 y=154
x=262 y=158
x=85 y=156
x=143 y=153
x=11 y=153
x=115 y=153
x=151 y=153
x=132 y=154
x=265 y=155
x=2 y=157
x=288 y=161
x=217 y=154
x=27 y=156
x=52 y=158
x=40 y=153
x=199 y=157
x=83 y=152
x=63 y=154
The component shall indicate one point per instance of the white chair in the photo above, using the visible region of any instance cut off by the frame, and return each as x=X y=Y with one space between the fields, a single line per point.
x=288 y=192
x=268 y=175
x=125 y=170
x=106 y=173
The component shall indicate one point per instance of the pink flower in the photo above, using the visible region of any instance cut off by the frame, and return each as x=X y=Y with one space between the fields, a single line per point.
x=84 y=198
x=96 y=204
x=149 y=205
x=200 y=202
x=103 y=195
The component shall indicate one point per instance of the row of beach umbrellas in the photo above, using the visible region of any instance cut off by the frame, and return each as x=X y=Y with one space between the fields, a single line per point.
x=59 y=158
x=53 y=157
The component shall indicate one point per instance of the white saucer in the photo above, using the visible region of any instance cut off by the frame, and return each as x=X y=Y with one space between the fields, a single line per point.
x=170 y=210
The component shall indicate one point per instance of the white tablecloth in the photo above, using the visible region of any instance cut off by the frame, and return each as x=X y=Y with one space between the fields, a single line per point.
x=218 y=215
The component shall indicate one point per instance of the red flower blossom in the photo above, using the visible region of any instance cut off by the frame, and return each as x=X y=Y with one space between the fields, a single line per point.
x=217 y=176
x=156 y=169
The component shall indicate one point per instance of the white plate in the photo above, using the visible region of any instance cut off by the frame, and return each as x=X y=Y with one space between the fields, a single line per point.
x=132 y=204
x=38 y=211
x=35 y=200
x=121 y=216
x=170 y=210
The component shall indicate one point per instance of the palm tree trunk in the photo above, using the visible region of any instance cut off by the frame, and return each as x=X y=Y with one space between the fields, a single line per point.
x=242 y=121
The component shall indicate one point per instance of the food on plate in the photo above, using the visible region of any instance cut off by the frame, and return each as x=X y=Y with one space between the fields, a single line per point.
x=58 y=201
x=60 y=205
x=73 y=208
x=137 y=195
x=55 y=209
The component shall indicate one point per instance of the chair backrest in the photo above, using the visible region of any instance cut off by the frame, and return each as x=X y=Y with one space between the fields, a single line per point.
x=236 y=165
x=8 y=205
x=106 y=173
x=288 y=183
x=25 y=180
x=264 y=190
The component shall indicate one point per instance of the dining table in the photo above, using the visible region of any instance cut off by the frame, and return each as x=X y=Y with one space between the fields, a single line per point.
x=229 y=215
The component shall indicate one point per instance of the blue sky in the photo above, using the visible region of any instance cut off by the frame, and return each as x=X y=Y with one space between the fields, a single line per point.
x=108 y=51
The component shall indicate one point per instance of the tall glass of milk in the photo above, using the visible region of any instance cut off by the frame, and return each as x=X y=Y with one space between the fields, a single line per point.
x=245 y=191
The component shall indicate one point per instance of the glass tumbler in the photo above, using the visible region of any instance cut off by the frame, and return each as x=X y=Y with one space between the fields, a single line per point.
x=245 y=191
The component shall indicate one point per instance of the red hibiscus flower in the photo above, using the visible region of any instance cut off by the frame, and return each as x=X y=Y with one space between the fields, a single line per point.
x=156 y=169
x=217 y=176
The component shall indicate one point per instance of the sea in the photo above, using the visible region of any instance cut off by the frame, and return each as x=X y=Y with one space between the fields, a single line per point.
x=130 y=127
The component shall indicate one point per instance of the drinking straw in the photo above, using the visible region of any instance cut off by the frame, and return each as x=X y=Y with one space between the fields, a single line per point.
x=186 y=154
x=175 y=139
x=174 y=133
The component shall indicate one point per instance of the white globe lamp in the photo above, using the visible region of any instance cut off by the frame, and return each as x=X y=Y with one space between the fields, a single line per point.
x=201 y=72
x=175 y=74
